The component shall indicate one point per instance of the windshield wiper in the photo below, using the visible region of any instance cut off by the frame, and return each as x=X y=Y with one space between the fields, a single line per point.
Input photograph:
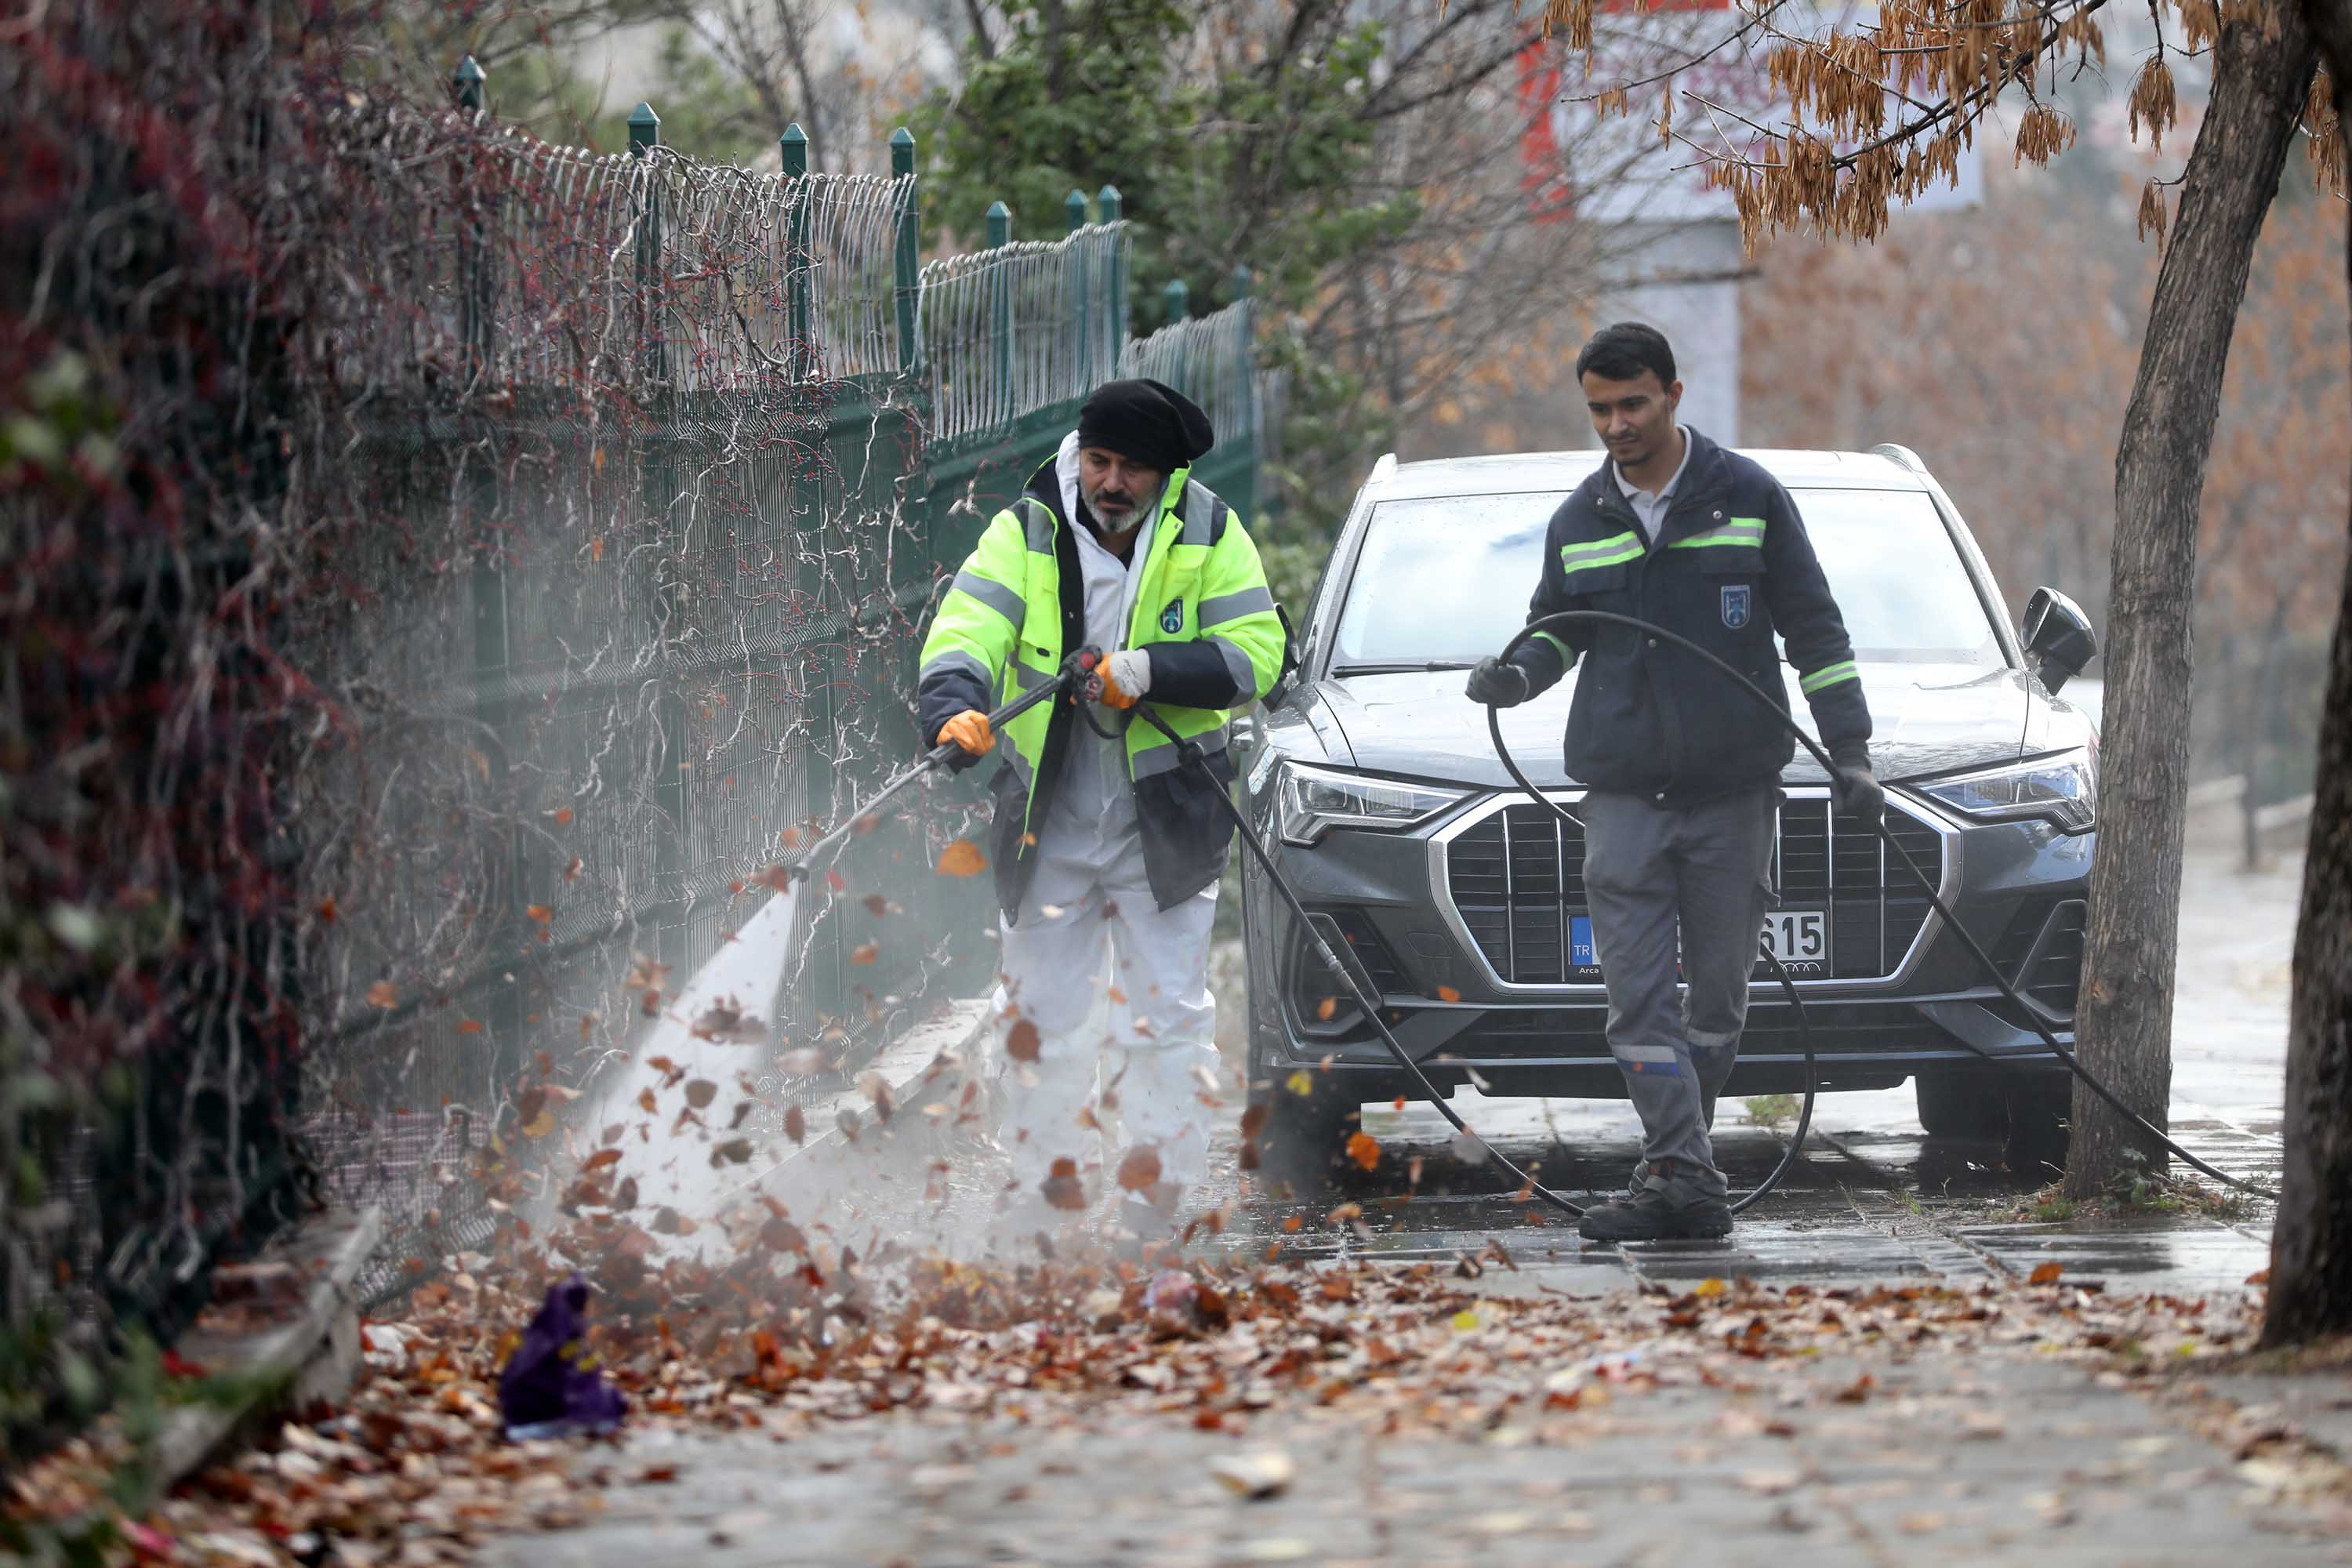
x=1429 y=667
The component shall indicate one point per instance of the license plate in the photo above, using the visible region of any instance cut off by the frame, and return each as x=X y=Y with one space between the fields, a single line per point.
x=1801 y=938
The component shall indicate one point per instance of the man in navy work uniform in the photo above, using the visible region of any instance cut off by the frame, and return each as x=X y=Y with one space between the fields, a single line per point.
x=1681 y=768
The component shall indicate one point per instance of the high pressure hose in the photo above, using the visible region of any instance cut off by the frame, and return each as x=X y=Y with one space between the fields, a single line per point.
x=1975 y=948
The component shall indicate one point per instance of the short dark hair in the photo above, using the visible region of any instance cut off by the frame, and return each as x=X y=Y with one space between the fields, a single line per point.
x=1623 y=350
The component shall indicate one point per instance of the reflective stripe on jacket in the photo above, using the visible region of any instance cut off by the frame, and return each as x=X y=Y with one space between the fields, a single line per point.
x=1731 y=567
x=1017 y=607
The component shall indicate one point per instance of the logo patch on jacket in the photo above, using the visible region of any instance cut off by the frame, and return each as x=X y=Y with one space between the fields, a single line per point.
x=1738 y=604
x=1172 y=619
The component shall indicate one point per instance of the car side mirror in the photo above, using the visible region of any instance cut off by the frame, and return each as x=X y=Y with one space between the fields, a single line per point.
x=1282 y=682
x=2059 y=640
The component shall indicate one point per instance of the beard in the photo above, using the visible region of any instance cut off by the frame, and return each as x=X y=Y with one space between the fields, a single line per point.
x=1116 y=509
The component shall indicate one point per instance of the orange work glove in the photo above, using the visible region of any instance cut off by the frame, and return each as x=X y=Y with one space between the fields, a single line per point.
x=1122 y=679
x=969 y=731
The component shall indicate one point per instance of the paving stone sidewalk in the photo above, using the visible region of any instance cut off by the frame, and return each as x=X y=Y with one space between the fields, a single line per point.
x=1991 y=1458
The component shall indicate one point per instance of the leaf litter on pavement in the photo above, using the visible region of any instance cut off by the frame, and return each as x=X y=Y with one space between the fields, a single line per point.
x=789 y=1332
x=748 y=1319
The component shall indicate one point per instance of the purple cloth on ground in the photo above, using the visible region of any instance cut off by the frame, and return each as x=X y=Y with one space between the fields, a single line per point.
x=551 y=1385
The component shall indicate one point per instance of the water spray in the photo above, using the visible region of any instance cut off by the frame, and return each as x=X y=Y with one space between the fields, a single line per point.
x=732 y=1001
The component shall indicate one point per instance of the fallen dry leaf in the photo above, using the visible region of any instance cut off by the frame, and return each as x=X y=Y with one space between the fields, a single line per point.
x=1062 y=1187
x=2046 y=1273
x=962 y=858
x=1021 y=1041
x=1365 y=1149
x=1140 y=1172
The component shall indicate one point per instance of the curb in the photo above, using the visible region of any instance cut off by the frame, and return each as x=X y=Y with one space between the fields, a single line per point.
x=307 y=1351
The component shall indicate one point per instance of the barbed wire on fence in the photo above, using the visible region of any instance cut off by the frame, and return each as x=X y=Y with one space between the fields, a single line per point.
x=1020 y=328
x=1210 y=360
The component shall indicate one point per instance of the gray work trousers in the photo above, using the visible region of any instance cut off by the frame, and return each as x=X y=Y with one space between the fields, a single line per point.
x=1650 y=871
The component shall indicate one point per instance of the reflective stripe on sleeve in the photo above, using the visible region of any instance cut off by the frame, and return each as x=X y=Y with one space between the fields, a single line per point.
x=1829 y=676
x=1233 y=606
x=1202 y=511
x=1037 y=526
x=1238 y=665
x=956 y=658
x=1004 y=600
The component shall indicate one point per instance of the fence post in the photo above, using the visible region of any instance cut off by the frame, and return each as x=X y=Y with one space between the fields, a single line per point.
x=1244 y=369
x=909 y=258
x=794 y=144
x=1113 y=210
x=1178 y=302
x=473 y=311
x=645 y=135
x=1082 y=356
x=1000 y=306
x=493 y=646
x=660 y=493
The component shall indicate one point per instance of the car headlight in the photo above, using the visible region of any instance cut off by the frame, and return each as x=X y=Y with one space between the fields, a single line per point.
x=1307 y=801
x=2060 y=791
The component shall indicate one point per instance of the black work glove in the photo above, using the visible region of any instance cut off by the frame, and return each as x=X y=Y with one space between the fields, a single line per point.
x=1857 y=789
x=1496 y=684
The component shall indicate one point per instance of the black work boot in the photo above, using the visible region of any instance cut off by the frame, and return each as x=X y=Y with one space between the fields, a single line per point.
x=1665 y=1211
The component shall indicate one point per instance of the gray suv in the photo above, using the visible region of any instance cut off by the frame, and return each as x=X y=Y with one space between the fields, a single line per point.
x=1460 y=902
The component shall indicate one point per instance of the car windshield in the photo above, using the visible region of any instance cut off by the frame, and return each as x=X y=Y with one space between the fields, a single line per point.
x=1443 y=580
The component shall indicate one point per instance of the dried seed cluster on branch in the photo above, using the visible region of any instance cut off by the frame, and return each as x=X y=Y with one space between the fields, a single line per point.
x=1875 y=116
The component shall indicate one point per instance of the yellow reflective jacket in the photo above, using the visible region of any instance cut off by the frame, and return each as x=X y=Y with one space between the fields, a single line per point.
x=1018 y=606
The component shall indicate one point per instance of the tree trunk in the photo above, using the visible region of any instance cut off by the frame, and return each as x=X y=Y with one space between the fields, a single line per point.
x=2124 y=1024
x=2311 y=1241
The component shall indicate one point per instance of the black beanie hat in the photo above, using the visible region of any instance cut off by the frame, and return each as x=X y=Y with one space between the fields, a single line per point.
x=1148 y=422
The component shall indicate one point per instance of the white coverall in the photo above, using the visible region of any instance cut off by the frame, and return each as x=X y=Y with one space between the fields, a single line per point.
x=1157 y=1057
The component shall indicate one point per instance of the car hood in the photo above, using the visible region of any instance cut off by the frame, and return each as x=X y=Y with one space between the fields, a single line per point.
x=1927 y=719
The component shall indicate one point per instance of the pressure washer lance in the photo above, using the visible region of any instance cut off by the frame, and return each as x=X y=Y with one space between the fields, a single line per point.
x=1074 y=670
x=1976 y=949
x=1366 y=1002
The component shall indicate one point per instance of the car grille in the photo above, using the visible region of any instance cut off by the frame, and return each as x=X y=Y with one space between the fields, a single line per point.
x=1517 y=878
x=2041 y=951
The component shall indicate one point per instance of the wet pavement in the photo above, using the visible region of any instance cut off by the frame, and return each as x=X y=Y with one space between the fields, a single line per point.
x=1870 y=1197
x=1873 y=1196
x=2008 y=1457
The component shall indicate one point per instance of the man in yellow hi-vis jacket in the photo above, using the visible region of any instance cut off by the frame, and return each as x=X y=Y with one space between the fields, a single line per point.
x=1102 y=837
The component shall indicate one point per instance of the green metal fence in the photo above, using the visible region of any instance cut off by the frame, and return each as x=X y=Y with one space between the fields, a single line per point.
x=681 y=454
